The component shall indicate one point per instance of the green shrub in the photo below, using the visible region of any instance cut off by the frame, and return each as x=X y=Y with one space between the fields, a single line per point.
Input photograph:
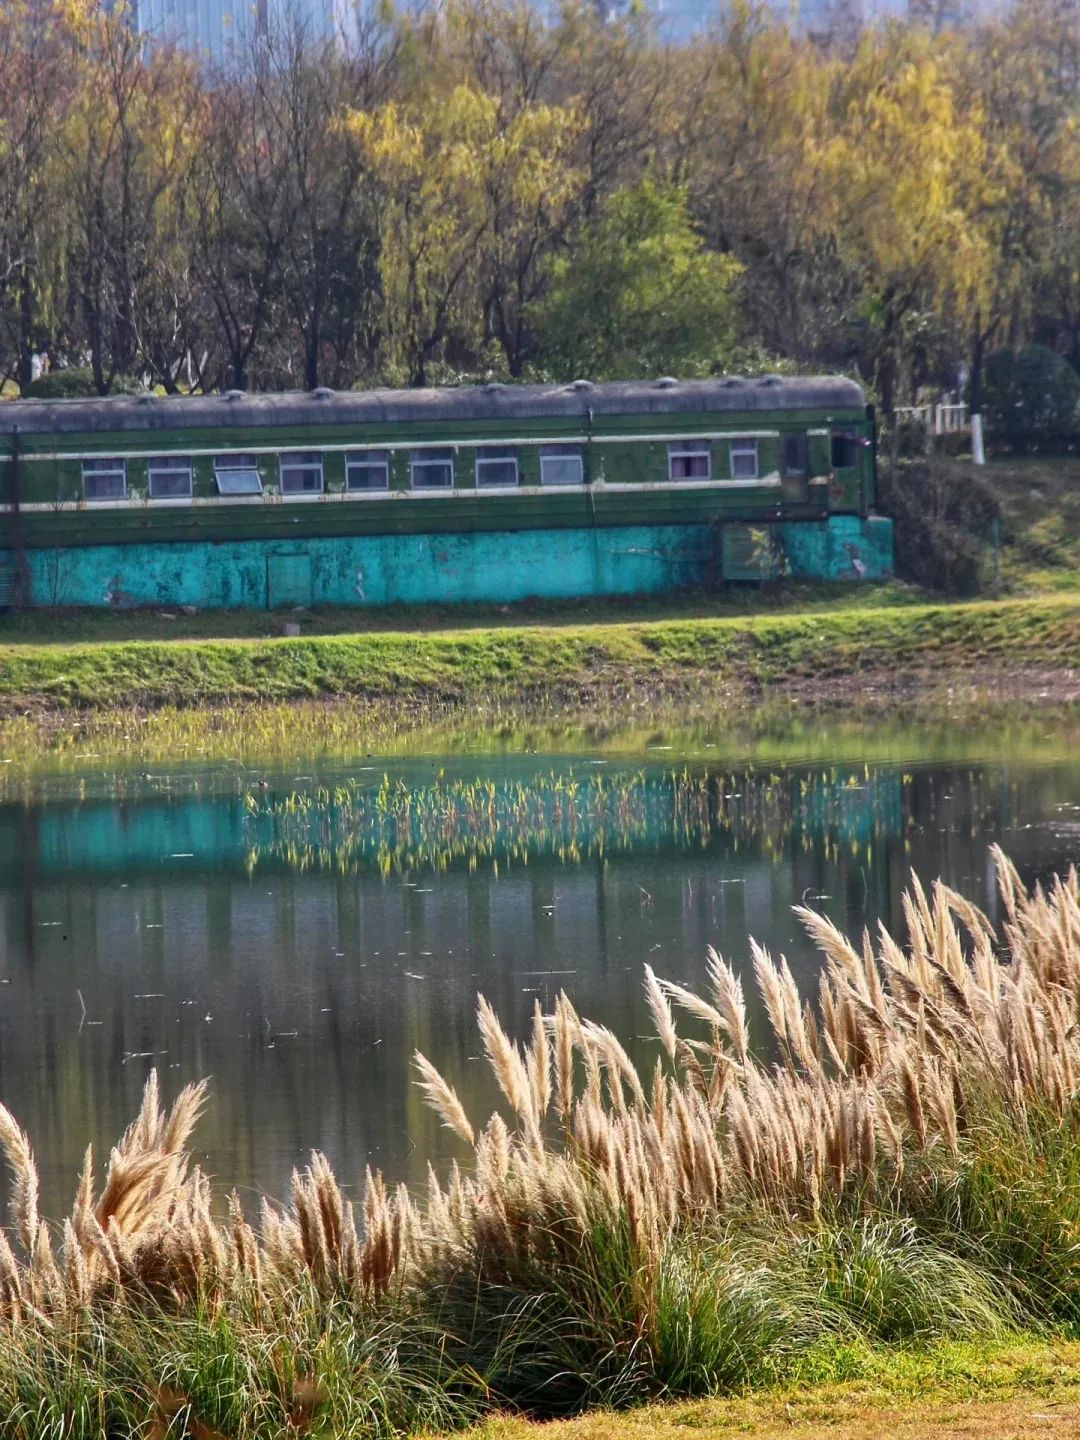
x=76 y=383
x=1030 y=400
x=944 y=516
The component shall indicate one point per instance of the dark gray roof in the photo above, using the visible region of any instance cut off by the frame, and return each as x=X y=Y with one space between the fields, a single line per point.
x=466 y=403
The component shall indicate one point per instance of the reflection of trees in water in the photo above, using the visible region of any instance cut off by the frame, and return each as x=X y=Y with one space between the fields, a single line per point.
x=399 y=827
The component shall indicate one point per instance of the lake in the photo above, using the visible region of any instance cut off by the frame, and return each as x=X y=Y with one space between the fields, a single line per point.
x=296 y=932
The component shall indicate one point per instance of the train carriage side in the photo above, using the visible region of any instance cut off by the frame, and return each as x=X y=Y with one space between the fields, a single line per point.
x=489 y=493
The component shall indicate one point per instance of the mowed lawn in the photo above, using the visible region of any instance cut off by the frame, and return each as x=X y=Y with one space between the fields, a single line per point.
x=1021 y=1391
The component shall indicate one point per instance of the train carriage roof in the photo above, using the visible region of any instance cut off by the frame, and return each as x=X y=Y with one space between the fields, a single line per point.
x=461 y=404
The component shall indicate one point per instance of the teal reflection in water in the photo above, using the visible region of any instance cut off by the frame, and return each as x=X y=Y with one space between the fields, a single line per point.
x=297 y=941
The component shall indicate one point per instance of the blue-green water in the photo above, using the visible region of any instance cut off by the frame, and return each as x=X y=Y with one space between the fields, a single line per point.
x=296 y=935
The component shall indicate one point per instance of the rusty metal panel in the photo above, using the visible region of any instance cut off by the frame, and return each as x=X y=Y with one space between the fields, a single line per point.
x=749 y=552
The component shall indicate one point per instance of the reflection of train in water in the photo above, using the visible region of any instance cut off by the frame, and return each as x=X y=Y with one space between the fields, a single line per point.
x=419 y=826
x=479 y=493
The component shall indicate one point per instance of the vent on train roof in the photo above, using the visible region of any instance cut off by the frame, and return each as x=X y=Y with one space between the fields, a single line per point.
x=666 y=382
x=494 y=387
x=322 y=392
x=581 y=385
x=772 y=380
x=733 y=382
x=234 y=395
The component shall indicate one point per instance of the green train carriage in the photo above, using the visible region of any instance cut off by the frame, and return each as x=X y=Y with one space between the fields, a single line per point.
x=493 y=493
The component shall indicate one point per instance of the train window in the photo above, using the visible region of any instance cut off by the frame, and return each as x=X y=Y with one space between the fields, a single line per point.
x=744 y=460
x=170 y=477
x=237 y=475
x=496 y=465
x=432 y=469
x=690 y=460
x=845 y=450
x=301 y=472
x=561 y=465
x=367 y=470
x=104 y=479
x=795 y=455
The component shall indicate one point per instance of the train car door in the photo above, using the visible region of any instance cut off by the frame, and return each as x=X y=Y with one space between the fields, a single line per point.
x=288 y=580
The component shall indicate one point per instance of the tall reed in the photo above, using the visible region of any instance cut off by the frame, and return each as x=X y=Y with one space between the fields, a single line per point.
x=908 y=1166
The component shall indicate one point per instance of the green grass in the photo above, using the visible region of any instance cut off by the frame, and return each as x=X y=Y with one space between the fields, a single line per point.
x=996 y=1390
x=74 y=626
x=819 y=648
x=1040 y=502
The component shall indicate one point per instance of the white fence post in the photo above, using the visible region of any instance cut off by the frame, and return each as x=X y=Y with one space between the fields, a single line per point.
x=978 y=454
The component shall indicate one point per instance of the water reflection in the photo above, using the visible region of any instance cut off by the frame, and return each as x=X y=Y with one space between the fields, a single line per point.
x=297 y=942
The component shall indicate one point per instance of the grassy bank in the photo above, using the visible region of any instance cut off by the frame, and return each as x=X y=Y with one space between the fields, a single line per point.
x=824 y=651
x=1010 y=1391
x=893 y=1203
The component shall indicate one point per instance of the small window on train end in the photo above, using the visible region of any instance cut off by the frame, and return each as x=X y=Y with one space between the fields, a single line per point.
x=795 y=455
x=744 y=460
x=690 y=460
x=845 y=450
x=497 y=467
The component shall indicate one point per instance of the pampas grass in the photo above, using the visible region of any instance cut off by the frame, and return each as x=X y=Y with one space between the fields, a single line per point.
x=908 y=1167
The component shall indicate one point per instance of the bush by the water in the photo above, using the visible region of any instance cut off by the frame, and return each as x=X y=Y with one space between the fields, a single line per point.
x=907 y=1168
x=1030 y=400
x=944 y=514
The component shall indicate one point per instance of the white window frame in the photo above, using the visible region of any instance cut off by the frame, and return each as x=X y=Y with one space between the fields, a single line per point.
x=170 y=465
x=741 y=448
x=305 y=463
x=245 y=462
x=560 y=454
x=104 y=465
x=492 y=455
x=689 y=450
x=367 y=460
x=435 y=459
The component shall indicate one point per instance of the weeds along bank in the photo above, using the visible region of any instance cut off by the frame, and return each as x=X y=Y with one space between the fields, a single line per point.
x=904 y=1166
x=822 y=651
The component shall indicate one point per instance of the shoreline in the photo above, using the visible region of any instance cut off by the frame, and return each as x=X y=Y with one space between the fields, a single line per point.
x=879 y=716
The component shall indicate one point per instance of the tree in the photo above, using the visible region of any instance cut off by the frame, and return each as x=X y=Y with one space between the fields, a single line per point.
x=466 y=188
x=1031 y=398
x=126 y=146
x=909 y=176
x=38 y=85
x=638 y=295
x=752 y=141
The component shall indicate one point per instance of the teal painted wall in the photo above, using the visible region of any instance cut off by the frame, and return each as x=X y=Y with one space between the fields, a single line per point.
x=844 y=547
x=439 y=568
